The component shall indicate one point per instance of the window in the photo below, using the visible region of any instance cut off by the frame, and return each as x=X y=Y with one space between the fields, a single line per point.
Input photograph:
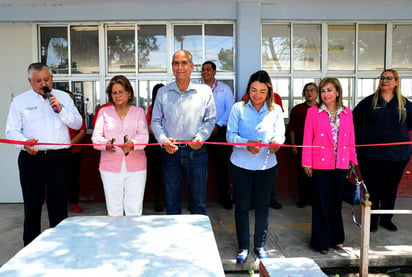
x=145 y=92
x=281 y=87
x=298 y=85
x=306 y=46
x=219 y=46
x=84 y=44
x=276 y=47
x=121 y=49
x=371 y=47
x=406 y=87
x=54 y=49
x=217 y=40
x=277 y=42
x=356 y=54
x=84 y=57
x=402 y=47
x=341 y=47
x=152 y=48
x=366 y=86
x=347 y=90
x=189 y=37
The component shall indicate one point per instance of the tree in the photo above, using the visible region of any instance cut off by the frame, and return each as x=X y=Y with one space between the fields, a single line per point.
x=226 y=59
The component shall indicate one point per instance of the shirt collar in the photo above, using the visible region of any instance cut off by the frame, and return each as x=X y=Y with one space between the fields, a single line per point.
x=263 y=109
x=189 y=88
x=325 y=109
x=38 y=94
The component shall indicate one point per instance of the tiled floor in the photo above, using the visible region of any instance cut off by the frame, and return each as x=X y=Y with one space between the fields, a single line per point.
x=288 y=235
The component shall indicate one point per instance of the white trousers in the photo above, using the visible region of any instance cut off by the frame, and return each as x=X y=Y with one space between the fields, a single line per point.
x=124 y=191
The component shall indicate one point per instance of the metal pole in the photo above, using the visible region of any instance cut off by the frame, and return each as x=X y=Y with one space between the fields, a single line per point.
x=365 y=236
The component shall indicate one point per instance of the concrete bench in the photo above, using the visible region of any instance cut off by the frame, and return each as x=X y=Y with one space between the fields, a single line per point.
x=181 y=245
x=289 y=267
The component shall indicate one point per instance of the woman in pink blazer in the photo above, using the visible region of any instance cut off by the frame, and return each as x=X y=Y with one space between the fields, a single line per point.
x=120 y=134
x=329 y=149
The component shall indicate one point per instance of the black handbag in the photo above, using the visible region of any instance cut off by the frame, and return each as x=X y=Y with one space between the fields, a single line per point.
x=352 y=191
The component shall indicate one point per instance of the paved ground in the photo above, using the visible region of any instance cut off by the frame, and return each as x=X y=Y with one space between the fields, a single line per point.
x=288 y=236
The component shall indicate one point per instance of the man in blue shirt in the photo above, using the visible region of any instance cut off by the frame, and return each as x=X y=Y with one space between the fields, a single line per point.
x=184 y=116
x=224 y=100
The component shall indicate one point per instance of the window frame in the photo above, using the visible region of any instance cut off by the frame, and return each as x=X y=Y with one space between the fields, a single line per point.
x=354 y=75
x=102 y=77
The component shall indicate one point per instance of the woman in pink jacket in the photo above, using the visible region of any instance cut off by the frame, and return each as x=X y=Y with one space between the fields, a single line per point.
x=329 y=149
x=120 y=134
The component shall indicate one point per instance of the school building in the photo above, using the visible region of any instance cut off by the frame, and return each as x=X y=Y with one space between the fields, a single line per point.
x=87 y=42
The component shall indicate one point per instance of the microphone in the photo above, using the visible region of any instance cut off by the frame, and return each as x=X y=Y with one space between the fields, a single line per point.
x=47 y=92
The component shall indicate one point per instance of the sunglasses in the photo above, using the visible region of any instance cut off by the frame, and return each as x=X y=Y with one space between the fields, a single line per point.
x=383 y=78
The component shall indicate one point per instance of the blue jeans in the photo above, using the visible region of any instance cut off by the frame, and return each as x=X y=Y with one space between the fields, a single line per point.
x=193 y=164
x=247 y=184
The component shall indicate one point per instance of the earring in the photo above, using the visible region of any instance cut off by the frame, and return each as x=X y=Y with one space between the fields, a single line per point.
x=130 y=97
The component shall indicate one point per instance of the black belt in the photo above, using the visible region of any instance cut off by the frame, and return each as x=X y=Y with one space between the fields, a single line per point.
x=182 y=145
x=179 y=145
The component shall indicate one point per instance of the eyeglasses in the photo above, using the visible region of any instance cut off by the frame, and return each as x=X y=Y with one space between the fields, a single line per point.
x=120 y=93
x=388 y=78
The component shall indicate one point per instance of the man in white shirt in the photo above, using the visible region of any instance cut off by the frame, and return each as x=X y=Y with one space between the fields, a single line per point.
x=42 y=115
x=224 y=100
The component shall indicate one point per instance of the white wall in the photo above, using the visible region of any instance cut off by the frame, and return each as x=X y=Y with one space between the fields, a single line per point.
x=248 y=38
x=16 y=54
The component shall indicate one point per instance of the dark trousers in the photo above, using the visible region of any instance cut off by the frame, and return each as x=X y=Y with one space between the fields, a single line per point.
x=327 y=222
x=248 y=184
x=221 y=153
x=382 y=179
x=304 y=182
x=74 y=186
x=43 y=175
x=154 y=166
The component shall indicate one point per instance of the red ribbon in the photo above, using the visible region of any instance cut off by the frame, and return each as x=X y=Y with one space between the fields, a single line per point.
x=31 y=143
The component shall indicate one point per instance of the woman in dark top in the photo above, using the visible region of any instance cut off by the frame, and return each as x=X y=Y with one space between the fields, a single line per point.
x=295 y=130
x=383 y=117
x=153 y=156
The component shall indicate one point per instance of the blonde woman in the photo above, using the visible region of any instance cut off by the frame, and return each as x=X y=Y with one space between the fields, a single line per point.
x=383 y=117
x=330 y=126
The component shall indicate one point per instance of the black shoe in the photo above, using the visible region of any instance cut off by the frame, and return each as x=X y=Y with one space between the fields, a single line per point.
x=373 y=229
x=301 y=204
x=275 y=204
x=226 y=204
x=388 y=225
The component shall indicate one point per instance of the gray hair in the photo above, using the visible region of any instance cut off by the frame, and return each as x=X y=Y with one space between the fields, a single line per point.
x=37 y=67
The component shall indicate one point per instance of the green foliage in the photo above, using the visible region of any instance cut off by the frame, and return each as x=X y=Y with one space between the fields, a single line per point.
x=226 y=58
